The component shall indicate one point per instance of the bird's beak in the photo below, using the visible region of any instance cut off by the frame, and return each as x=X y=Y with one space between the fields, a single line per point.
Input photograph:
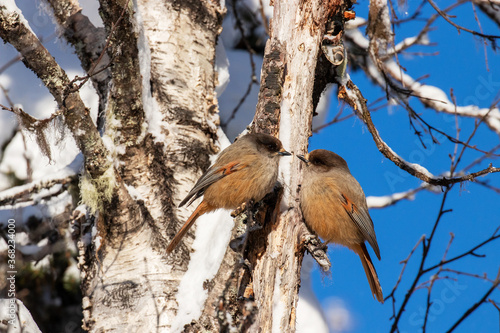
x=283 y=152
x=304 y=158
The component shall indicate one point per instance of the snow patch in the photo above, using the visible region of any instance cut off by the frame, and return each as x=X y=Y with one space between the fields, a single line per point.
x=310 y=316
x=323 y=106
x=213 y=232
x=154 y=117
x=10 y=6
x=278 y=306
x=22 y=319
x=221 y=67
x=134 y=193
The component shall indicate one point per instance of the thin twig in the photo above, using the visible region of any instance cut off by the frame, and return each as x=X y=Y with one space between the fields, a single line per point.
x=264 y=17
x=253 y=77
x=477 y=276
x=358 y=103
x=477 y=304
x=425 y=251
x=481 y=29
x=493 y=237
x=445 y=16
x=405 y=263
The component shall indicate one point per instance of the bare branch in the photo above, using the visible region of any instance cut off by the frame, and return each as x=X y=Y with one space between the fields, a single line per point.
x=354 y=97
x=426 y=243
x=25 y=192
x=251 y=52
x=477 y=276
x=493 y=237
x=405 y=263
x=477 y=304
x=484 y=42
x=315 y=247
x=482 y=157
x=77 y=118
x=445 y=16
x=89 y=43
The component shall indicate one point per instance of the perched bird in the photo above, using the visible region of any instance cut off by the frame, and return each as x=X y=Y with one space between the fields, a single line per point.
x=246 y=170
x=334 y=206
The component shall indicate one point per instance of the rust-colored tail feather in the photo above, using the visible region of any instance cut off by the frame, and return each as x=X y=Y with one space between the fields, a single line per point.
x=202 y=208
x=370 y=272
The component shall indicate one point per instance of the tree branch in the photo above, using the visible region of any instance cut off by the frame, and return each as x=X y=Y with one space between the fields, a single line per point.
x=76 y=115
x=445 y=16
x=89 y=43
x=354 y=97
x=466 y=253
x=477 y=304
x=24 y=193
x=426 y=243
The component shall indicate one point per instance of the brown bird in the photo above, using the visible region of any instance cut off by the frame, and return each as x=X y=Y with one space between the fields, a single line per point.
x=245 y=171
x=334 y=206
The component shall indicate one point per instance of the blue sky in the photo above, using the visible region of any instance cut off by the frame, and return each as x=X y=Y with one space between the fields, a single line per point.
x=459 y=66
x=476 y=211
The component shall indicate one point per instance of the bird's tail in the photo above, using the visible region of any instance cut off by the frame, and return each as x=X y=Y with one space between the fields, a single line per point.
x=202 y=208
x=370 y=272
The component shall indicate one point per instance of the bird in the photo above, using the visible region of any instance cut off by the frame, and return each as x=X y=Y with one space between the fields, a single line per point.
x=334 y=207
x=243 y=172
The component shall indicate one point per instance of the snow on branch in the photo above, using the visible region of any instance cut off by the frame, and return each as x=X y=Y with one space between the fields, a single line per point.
x=40 y=61
x=34 y=191
x=383 y=67
x=437 y=99
x=392 y=199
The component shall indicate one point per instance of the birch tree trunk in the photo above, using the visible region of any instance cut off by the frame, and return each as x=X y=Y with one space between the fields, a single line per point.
x=160 y=127
x=130 y=282
x=157 y=131
x=153 y=68
x=286 y=107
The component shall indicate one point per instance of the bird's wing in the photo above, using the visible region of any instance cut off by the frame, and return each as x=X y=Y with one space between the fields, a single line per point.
x=213 y=174
x=363 y=221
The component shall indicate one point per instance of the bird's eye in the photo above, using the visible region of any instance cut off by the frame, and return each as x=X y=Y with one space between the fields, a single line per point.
x=317 y=162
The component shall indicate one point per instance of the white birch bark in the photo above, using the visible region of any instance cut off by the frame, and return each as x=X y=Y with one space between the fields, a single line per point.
x=129 y=281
